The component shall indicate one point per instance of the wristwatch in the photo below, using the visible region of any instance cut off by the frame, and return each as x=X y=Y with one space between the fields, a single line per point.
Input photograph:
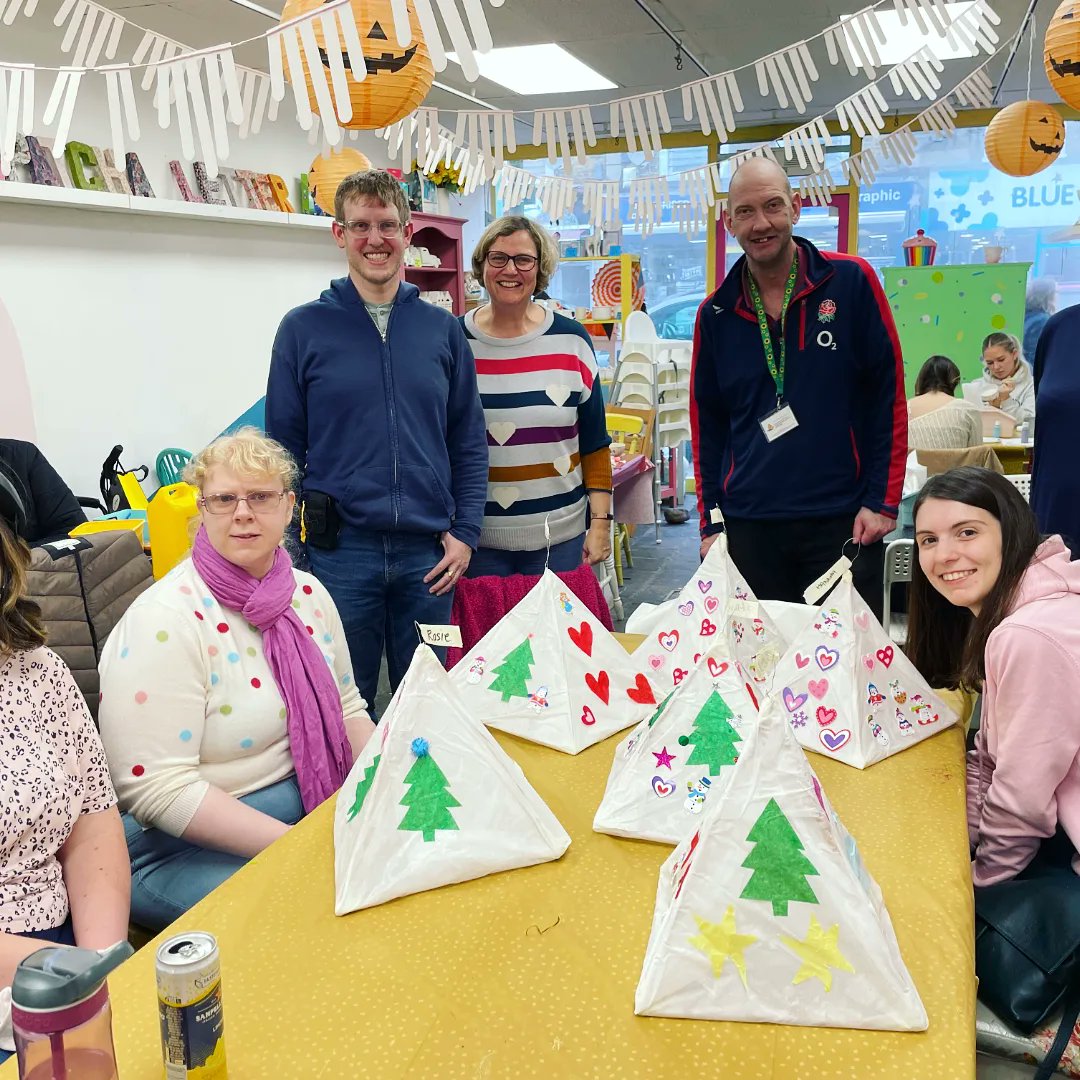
x=602 y=517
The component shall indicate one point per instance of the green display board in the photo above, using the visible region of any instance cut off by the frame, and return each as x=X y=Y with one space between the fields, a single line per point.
x=948 y=310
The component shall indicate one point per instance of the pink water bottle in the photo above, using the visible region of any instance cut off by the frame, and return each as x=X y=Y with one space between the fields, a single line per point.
x=61 y=1016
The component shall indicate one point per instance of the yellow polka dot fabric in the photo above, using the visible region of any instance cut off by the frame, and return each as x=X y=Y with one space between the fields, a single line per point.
x=532 y=973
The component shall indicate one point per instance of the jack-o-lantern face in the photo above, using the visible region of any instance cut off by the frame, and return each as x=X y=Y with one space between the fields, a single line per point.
x=1024 y=138
x=396 y=79
x=1061 y=53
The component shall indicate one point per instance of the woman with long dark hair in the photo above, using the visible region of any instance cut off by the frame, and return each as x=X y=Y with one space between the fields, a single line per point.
x=63 y=864
x=996 y=608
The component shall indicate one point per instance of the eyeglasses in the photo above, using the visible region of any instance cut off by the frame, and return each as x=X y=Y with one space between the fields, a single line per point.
x=498 y=259
x=386 y=229
x=258 y=502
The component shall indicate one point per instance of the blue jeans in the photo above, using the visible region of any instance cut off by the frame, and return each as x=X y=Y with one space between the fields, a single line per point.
x=376 y=580
x=169 y=875
x=563 y=558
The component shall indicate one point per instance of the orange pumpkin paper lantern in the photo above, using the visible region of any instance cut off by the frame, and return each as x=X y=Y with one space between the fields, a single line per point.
x=1061 y=53
x=327 y=172
x=1024 y=138
x=397 y=78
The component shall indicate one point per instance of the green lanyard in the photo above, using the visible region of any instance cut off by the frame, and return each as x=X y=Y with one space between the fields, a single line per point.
x=775 y=370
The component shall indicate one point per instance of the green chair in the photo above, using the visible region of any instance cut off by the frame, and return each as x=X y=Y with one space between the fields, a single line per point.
x=170 y=465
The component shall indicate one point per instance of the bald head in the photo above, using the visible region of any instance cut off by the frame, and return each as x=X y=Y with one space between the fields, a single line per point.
x=757 y=170
x=761 y=213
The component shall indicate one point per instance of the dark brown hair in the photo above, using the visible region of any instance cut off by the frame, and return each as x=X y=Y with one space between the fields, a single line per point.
x=21 y=627
x=376 y=184
x=938 y=373
x=946 y=642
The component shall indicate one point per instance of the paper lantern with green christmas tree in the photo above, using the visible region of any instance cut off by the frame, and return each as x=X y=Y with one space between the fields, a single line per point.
x=469 y=811
x=551 y=672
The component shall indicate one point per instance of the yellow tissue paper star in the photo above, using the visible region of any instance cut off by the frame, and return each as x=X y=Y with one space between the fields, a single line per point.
x=819 y=952
x=719 y=942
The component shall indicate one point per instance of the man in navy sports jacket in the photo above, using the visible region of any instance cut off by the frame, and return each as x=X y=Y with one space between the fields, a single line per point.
x=798 y=412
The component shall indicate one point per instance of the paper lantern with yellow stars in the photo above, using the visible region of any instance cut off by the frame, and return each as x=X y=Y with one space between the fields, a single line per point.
x=1061 y=53
x=328 y=171
x=396 y=79
x=1024 y=138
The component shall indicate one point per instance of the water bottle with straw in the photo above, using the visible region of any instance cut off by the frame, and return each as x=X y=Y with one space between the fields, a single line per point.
x=60 y=1013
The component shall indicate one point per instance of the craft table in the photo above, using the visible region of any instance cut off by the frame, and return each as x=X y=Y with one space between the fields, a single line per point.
x=532 y=973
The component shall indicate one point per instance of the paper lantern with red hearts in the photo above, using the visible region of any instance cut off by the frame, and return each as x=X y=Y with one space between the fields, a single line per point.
x=396 y=79
x=1024 y=138
x=1061 y=52
x=327 y=172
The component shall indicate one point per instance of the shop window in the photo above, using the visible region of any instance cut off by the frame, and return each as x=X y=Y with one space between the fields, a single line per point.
x=953 y=193
x=673 y=264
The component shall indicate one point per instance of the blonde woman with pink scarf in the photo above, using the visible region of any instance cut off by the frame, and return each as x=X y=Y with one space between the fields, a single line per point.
x=228 y=706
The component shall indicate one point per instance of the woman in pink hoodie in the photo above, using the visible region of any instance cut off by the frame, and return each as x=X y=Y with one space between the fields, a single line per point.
x=996 y=609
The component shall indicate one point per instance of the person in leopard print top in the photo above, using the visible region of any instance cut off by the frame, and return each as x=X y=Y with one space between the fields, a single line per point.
x=64 y=873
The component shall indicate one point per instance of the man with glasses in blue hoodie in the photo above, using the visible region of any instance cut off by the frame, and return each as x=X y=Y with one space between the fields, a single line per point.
x=373 y=392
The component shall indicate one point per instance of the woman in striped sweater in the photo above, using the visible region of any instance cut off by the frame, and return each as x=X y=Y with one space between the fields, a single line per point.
x=549 y=467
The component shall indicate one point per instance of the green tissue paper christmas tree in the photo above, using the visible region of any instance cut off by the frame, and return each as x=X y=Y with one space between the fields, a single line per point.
x=712 y=737
x=513 y=671
x=779 y=865
x=428 y=799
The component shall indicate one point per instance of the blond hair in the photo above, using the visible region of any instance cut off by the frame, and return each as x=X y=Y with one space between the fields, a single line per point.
x=246 y=452
x=374 y=184
x=547 y=250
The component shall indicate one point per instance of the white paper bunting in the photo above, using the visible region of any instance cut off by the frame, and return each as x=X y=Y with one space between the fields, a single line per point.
x=787 y=76
x=714 y=102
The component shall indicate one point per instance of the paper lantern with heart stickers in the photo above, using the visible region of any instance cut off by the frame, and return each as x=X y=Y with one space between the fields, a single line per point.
x=848 y=692
x=1061 y=52
x=550 y=671
x=328 y=170
x=396 y=79
x=433 y=799
x=669 y=767
x=1024 y=138
x=716 y=603
x=766 y=912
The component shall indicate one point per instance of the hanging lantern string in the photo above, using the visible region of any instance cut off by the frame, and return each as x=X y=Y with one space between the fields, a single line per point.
x=1031 y=42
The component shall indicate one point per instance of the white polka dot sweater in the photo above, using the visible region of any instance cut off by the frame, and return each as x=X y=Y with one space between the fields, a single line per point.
x=188 y=699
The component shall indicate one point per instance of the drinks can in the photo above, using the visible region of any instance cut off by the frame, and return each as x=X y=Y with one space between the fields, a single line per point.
x=188 y=971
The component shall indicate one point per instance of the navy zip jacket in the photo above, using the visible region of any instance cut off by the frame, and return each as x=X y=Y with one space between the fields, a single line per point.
x=393 y=431
x=844 y=380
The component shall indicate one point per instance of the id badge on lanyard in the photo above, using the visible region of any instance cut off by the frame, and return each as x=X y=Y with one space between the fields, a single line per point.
x=782 y=419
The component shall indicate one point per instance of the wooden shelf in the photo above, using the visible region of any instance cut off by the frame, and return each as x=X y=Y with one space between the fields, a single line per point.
x=74 y=198
x=430 y=269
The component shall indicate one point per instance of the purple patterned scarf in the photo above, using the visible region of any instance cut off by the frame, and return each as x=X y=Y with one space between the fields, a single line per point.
x=317 y=738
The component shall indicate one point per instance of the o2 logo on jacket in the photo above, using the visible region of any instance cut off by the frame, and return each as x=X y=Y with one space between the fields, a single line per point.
x=826 y=340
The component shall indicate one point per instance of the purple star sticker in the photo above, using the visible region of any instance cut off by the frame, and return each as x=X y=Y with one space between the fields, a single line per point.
x=663 y=758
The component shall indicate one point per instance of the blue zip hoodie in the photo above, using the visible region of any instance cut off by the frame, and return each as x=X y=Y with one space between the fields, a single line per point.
x=844 y=380
x=393 y=431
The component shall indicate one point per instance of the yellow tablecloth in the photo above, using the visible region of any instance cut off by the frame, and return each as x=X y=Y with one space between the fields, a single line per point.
x=532 y=973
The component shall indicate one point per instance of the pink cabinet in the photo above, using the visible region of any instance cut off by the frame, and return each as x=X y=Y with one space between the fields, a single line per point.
x=442 y=237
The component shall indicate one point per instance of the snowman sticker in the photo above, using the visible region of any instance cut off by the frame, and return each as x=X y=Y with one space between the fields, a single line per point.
x=476 y=670
x=696 y=799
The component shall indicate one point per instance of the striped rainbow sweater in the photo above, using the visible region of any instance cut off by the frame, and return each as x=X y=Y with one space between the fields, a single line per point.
x=544 y=411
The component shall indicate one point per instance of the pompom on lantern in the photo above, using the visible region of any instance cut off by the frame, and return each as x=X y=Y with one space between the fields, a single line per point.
x=1024 y=138
x=1061 y=52
x=327 y=172
x=396 y=79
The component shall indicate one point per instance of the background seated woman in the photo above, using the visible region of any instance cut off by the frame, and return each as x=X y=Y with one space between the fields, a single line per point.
x=547 y=437
x=228 y=703
x=994 y=608
x=1008 y=383
x=937 y=419
x=64 y=875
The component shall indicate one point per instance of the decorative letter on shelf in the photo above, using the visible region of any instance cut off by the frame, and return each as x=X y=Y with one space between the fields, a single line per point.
x=43 y=168
x=181 y=182
x=137 y=177
x=80 y=157
x=212 y=191
x=113 y=178
x=280 y=191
